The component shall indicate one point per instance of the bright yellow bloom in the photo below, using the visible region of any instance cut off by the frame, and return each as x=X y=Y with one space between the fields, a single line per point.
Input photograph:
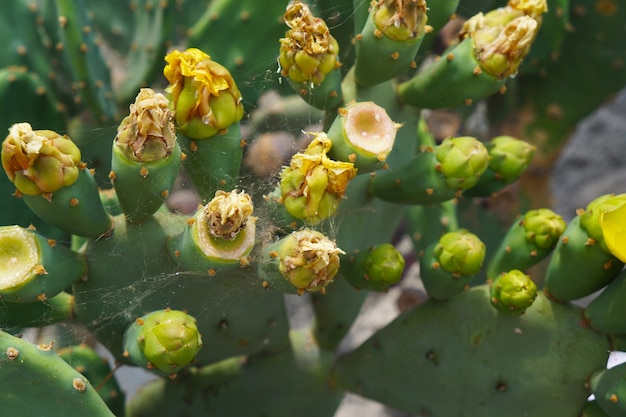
x=203 y=94
x=613 y=224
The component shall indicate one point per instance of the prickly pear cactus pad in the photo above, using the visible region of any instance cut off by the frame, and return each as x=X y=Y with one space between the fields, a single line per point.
x=516 y=365
x=216 y=192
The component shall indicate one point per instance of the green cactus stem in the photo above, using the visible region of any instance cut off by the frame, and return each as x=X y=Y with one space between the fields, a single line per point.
x=207 y=109
x=448 y=265
x=313 y=184
x=364 y=134
x=164 y=341
x=481 y=342
x=305 y=260
x=512 y=292
x=609 y=388
x=35 y=371
x=491 y=48
x=309 y=57
x=527 y=242
x=510 y=157
x=375 y=269
x=146 y=156
x=390 y=39
x=605 y=313
x=97 y=370
x=38 y=313
x=220 y=235
x=45 y=168
x=33 y=268
x=435 y=175
x=426 y=224
x=581 y=263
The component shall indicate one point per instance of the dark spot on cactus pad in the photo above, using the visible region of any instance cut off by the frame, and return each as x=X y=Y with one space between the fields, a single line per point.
x=502 y=386
x=431 y=356
x=222 y=325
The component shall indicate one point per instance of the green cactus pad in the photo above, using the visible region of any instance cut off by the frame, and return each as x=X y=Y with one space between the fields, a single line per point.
x=511 y=359
x=606 y=312
x=32 y=372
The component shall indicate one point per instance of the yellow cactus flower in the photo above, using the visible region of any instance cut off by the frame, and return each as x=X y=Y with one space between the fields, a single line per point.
x=613 y=224
x=202 y=93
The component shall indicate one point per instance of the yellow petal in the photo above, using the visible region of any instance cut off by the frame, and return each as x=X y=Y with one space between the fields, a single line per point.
x=613 y=224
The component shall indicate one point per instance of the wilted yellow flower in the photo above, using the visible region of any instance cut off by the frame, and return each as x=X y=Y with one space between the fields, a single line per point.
x=613 y=224
x=147 y=133
x=202 y=92
x=40 y=161
x=313 y=184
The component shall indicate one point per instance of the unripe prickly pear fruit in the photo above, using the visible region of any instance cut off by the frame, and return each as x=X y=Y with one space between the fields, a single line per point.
x=609 y=388
x=512 y=292
x=164 y=340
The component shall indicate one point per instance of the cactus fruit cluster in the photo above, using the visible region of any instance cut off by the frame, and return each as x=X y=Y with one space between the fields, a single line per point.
x=111 y=109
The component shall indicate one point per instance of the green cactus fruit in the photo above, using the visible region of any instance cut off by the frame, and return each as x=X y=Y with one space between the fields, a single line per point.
x=420 y=375
x=528 y=241
x=364 y=134
x=313 y=184
x=37 y=372
x=45 y=168
x=605 y=313
x=390 y=39
x=309 y=57
x=579 y=266
x=146 y=156
x=300 y=369
x=34 y=268
x=449 y=264
x=220 y=236
x=97 y=370
x=609 y=388
x=305 y=260
x=512 y=292
x=374 y=269
x=53 y=310
x=491 y=48
x=207 y=106
x=592 y=220
x=435 y=175
x=164 y=341
x=510 y=157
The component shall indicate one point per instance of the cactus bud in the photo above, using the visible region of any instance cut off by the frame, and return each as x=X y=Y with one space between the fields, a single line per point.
x=509 y=157
x=313 y=184
x=40 y=161
x=375 y=269
x=543 y=227
x=308 y=52
x=400 y=20
x=164 y=340
x=462 y=161
x=305 y=260
x=613 y=224
x=203 y=94
x=513 y=292
x=460 y=252
x=228 y=213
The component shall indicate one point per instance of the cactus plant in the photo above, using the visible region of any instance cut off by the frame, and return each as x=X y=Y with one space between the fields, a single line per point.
x=108 y=107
